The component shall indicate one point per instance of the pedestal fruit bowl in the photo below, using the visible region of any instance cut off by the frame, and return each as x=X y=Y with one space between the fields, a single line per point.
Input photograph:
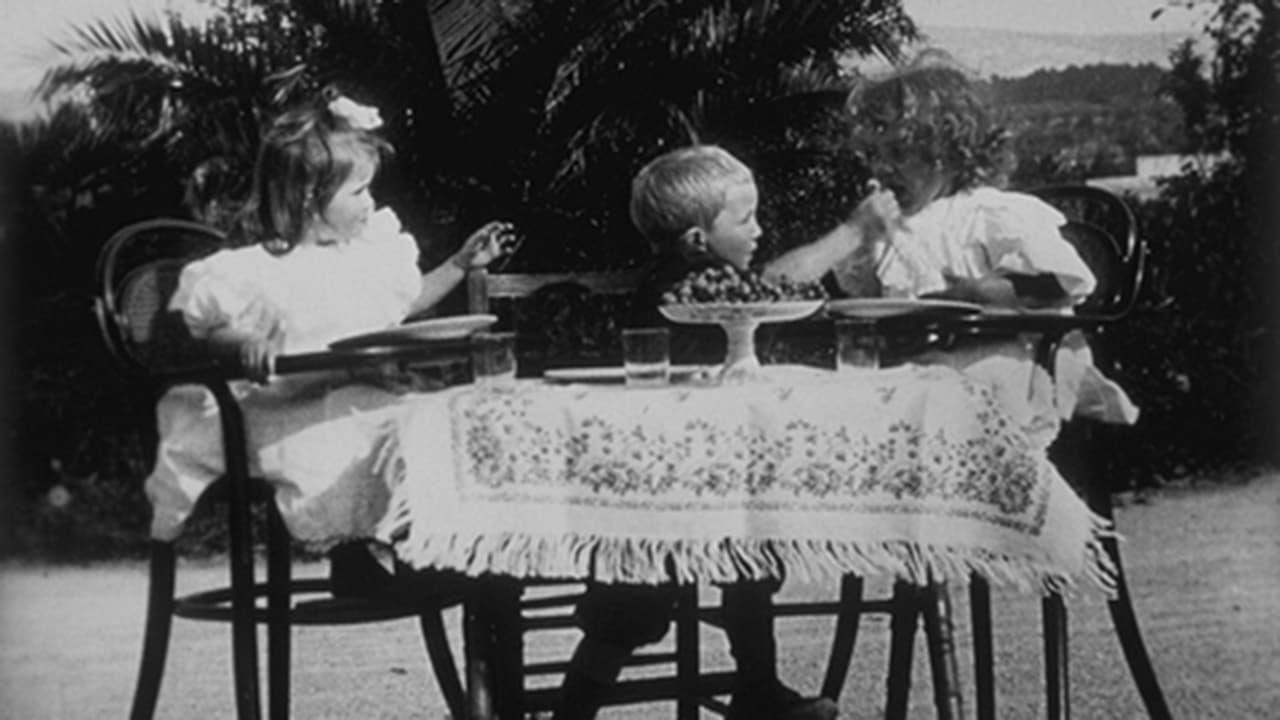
x=739 y=302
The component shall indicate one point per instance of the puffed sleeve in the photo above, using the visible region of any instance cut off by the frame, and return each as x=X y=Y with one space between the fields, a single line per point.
x=907 y=268
x=206 y=296
x=1022 y=236
x=396 y=256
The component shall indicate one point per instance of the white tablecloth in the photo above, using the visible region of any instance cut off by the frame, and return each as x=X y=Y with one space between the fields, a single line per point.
x=914 y=471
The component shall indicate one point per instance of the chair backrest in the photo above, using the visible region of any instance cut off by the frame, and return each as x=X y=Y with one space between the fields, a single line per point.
x=138 y=271
x=560 y=319
x=1104 y=231
x=1085 y=204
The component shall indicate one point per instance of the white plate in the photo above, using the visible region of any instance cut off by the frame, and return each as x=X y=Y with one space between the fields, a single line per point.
x=454 y=327
x=612 y=374
x=874 y=308
x=719 y=313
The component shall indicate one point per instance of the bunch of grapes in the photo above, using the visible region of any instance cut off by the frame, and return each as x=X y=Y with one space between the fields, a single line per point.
x=727 y=284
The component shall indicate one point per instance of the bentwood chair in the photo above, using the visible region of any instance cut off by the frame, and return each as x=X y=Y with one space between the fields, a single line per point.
x=1104 y=232
x=137 y=272
x=564 y=320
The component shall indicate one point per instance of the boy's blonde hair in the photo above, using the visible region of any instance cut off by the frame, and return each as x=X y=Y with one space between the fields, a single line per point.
x=682 y=189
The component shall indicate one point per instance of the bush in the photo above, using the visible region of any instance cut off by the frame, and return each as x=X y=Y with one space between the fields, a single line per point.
x=1196 y=353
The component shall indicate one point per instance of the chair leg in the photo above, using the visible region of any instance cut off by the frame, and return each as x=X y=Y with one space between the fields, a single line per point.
x=1056 y=685
x=1123 y=617
x=446 y=671
x=1125 y=621
x=846 y=635
x=155 y=643
x=983 y=648
x=688 y=655
x=244 y=631
x=279 y=610
x=902 y=634
x=940 y=634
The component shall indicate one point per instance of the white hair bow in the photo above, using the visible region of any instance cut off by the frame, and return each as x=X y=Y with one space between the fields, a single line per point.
x=361 y=117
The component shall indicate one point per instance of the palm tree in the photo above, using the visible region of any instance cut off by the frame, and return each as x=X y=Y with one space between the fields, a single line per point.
x=493 y=105
x=570 y=96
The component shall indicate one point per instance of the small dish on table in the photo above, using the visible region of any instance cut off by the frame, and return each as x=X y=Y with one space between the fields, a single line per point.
x=616 y=375
x=879 y=308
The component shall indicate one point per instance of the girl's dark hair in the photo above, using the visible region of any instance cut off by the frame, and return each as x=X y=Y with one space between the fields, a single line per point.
x=305 y=156
x=929 y=110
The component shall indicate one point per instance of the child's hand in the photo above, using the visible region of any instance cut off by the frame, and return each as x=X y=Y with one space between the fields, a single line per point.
x=987 y=290
x=261 y=325
x=495 y=239
x=877 y=213
x=258 y=356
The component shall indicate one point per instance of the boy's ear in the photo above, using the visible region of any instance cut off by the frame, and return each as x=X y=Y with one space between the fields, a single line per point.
x=694 y=238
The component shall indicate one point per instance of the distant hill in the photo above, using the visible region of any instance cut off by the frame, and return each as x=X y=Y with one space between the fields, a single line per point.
x=1008 y=53
x=1085 y=120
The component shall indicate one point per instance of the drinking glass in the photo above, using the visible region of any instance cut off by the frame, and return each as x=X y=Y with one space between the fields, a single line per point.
x=493 y=358
x=646 y=356
x=858 y=345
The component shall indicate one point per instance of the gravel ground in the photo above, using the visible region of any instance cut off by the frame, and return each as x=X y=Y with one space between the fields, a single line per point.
x=1203 y=563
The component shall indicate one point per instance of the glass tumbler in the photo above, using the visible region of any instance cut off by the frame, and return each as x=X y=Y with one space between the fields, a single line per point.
x=493 y=358
x=858 y=345
x=646 y=356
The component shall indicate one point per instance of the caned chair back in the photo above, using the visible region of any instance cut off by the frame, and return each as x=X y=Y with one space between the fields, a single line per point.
x=1103 y=229
x=1097 y=207
x=138 y=271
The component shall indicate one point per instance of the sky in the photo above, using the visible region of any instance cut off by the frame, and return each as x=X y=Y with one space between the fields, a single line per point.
x=1083 y=17
x=26 y=26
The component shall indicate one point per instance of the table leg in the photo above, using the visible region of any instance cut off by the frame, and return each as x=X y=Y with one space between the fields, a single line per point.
x=940 y=631
x=477 y=631
x=902 y=637
x=1056 y=684
x=984 y=685
x=494 y=653
x=688 y=654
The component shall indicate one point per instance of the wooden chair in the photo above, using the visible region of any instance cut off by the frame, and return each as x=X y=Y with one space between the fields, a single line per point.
x=1103 y=230
x=566 y=319
x=137 y=272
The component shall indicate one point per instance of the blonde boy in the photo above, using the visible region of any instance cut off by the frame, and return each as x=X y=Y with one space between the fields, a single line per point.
x=697 y=207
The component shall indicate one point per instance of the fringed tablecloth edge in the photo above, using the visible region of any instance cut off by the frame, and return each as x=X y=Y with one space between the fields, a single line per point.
x=646 y=561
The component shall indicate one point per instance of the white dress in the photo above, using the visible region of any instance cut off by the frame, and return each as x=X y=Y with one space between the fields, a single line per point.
x=313 y=437
x=981 y=232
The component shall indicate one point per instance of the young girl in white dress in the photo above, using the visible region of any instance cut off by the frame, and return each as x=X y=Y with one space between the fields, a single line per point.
x=324 y=263
x=951 y=232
